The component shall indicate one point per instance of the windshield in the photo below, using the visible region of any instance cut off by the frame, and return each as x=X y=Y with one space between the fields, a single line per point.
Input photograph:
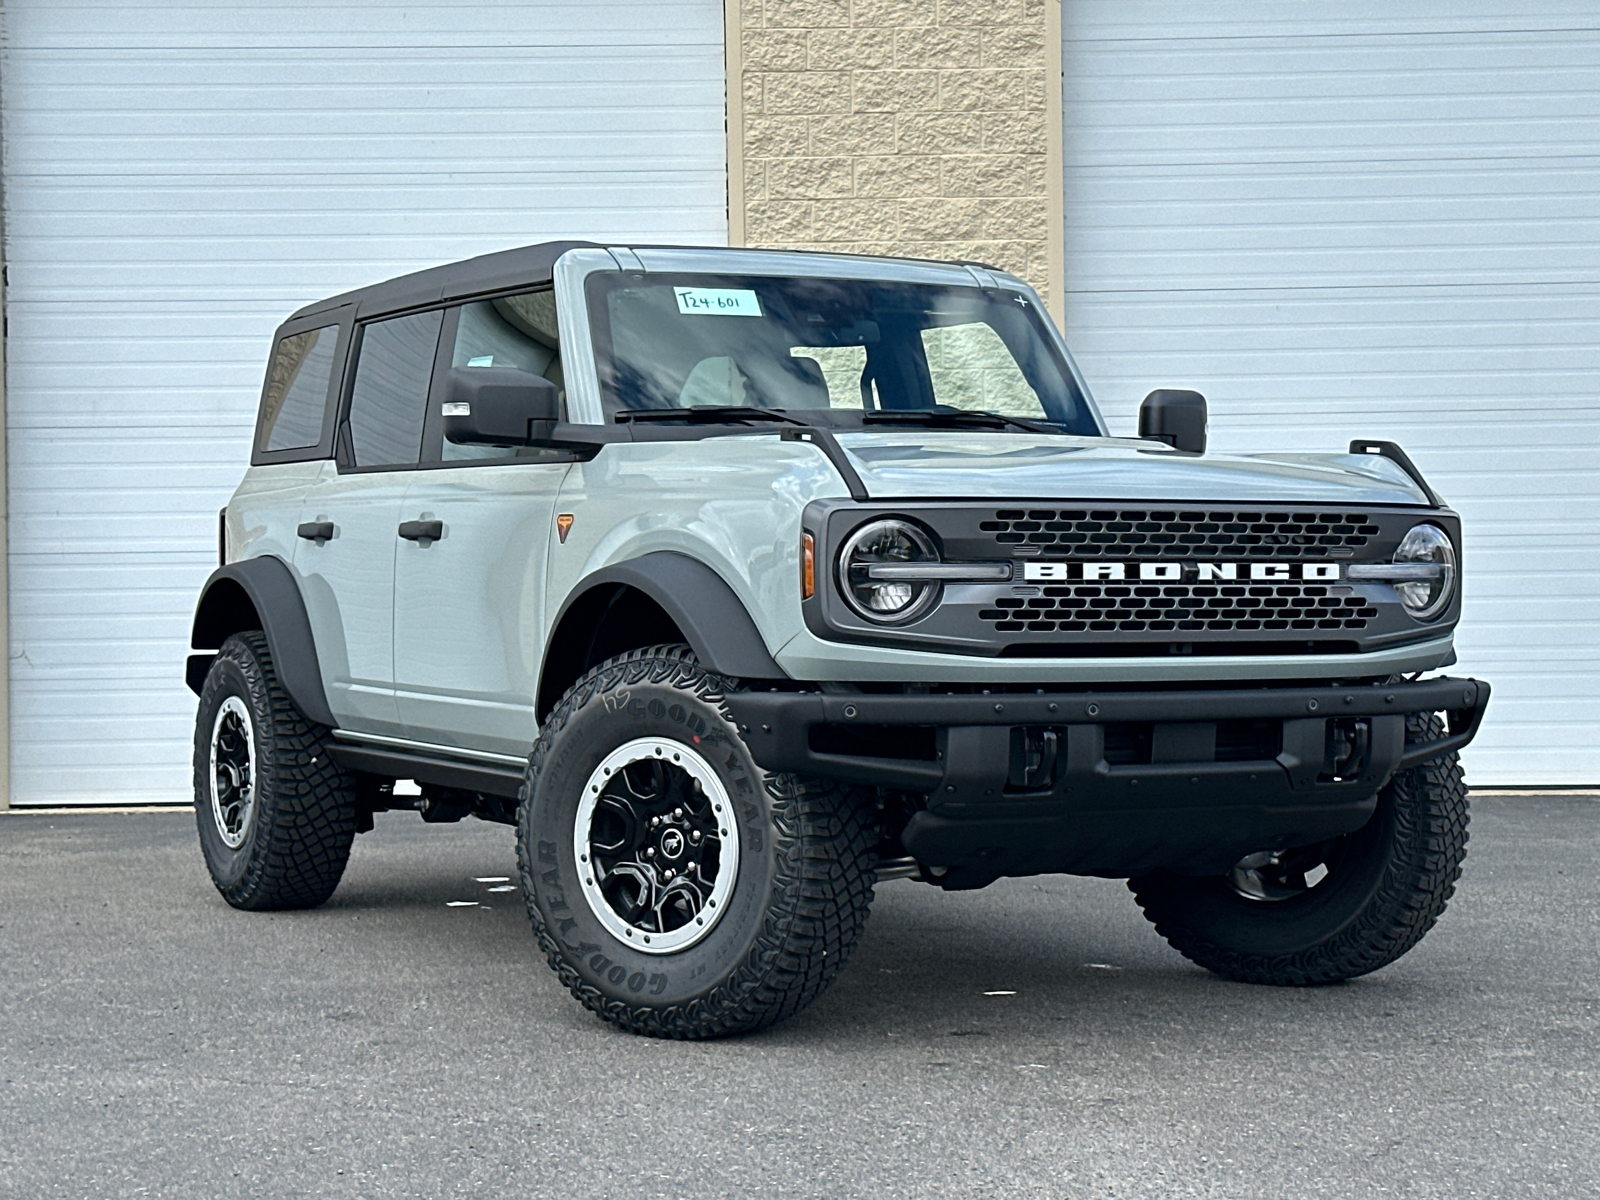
x=861 y=350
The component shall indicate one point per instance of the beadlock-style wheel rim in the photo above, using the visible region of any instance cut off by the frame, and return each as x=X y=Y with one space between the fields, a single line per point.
x=233 y=772
x=656 y=847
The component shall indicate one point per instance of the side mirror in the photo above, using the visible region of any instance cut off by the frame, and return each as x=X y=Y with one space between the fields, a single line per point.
x=498 y=406
x=1176 y=417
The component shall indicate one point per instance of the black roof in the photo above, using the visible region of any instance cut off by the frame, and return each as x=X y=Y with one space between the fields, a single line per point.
x=524 y=266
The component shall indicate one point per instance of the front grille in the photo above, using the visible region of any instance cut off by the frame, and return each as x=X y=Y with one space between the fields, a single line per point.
x=1180 y=534
x=1178 y=608
x=1140 y=577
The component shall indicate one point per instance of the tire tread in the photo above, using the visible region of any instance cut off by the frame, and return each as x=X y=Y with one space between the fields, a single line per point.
x=1431 y=815
x=824 y=836
x=304 y=798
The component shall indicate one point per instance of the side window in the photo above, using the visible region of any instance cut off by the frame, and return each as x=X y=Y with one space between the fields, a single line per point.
x=971 y=368
x=513 y=331
x=296 y=397
x=390 y=397
x=842 y=368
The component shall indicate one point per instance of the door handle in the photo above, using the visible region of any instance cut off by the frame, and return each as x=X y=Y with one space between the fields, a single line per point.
x=422 y=531
x=314 y=531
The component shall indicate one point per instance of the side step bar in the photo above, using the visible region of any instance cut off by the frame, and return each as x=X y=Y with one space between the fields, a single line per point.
x=487 y=778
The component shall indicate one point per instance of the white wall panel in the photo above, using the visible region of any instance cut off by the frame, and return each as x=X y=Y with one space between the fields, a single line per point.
x=1381 y=220
x=178 y=178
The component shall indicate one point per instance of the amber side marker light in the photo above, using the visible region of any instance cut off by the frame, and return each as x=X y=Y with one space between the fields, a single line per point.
x=808 y=566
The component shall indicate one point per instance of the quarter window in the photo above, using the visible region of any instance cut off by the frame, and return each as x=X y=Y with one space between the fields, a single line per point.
x=390 y=396
x=296 y=397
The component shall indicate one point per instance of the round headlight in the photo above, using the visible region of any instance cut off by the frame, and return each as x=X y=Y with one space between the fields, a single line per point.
x=1425 y=599
x=876 y=595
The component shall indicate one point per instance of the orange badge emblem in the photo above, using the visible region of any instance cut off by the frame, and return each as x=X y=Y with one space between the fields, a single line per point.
x=563 y=525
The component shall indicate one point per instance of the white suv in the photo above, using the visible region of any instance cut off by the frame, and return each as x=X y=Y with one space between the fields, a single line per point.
x=741 y=581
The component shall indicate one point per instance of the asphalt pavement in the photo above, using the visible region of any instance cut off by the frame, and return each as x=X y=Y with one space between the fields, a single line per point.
x=1033 y=1039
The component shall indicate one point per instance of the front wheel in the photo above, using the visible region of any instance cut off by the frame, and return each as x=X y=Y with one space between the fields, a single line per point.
x=676 y=888
x=1333 y=911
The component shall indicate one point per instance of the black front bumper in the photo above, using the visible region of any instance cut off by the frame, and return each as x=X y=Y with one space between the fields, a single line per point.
x=1020 y=784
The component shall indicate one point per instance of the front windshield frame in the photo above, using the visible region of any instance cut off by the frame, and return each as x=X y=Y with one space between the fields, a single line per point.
x=1064 y=404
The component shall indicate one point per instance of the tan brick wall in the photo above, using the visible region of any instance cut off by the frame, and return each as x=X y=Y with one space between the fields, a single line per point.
x=916 y=127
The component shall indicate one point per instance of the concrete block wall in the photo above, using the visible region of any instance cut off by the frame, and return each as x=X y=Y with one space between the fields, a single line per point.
x=915 y=127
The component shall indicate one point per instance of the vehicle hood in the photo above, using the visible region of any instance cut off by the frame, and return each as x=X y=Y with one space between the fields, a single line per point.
x=960 y=464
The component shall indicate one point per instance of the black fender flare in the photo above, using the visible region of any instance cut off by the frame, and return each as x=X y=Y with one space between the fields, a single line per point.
x=699 y=601
x=269 y=585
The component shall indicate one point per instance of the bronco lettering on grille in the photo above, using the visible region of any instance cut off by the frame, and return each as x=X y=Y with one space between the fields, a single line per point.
x=1171 y=572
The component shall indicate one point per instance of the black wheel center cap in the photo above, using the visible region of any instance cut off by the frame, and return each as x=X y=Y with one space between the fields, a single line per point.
x=671 y=843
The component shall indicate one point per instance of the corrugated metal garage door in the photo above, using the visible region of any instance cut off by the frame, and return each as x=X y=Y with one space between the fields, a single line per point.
x=1374 y=219
x=178 y=177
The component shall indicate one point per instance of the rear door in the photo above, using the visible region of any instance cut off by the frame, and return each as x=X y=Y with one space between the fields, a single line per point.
x=294 y=431
x=349 y=522
x=469 y=606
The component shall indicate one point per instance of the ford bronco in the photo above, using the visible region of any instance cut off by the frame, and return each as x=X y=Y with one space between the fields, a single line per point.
x=743 y=581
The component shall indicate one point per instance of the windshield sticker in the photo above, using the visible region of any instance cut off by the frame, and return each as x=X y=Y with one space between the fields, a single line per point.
x=725 y=302
x=482 y=360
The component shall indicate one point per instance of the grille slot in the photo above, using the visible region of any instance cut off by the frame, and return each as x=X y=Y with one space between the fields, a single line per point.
x=1174 y=533
x=1128 y=744
x=1178 y=608
x=1248 y=740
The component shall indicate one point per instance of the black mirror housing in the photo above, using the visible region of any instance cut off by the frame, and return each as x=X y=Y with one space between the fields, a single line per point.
x=499 y=406
x=1176 y=417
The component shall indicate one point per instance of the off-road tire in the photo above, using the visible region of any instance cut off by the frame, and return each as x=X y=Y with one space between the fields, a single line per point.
x=1391 y=884
x=805 y=874
x=298 y=836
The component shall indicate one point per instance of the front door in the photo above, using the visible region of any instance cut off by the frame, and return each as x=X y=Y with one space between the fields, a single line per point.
x=469 y=605
x=349 y=522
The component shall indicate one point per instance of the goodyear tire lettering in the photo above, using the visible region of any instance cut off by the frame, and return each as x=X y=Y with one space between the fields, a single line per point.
x=795 y=911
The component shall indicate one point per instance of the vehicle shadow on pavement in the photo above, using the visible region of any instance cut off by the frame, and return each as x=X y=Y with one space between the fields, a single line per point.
x=1021 y=959
x=1049 y=957
x=1025 y=955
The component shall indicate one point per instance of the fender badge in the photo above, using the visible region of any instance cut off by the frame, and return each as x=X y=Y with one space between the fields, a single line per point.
x=563 y=526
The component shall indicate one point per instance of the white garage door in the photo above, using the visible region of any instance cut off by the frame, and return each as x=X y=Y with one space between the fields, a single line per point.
x=179 y=177
x=1373 y=219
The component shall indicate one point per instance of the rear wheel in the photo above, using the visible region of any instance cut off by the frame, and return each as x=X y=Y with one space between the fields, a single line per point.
x=676 y=888
x=1333 y=911
x=276 y=814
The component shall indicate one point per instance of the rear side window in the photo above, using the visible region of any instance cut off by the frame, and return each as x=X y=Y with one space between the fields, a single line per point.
x=296 y=397
x=390 y=397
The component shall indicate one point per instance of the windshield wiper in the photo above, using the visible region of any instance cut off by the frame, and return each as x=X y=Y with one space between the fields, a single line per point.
x=959 y=418
x=706 y=414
